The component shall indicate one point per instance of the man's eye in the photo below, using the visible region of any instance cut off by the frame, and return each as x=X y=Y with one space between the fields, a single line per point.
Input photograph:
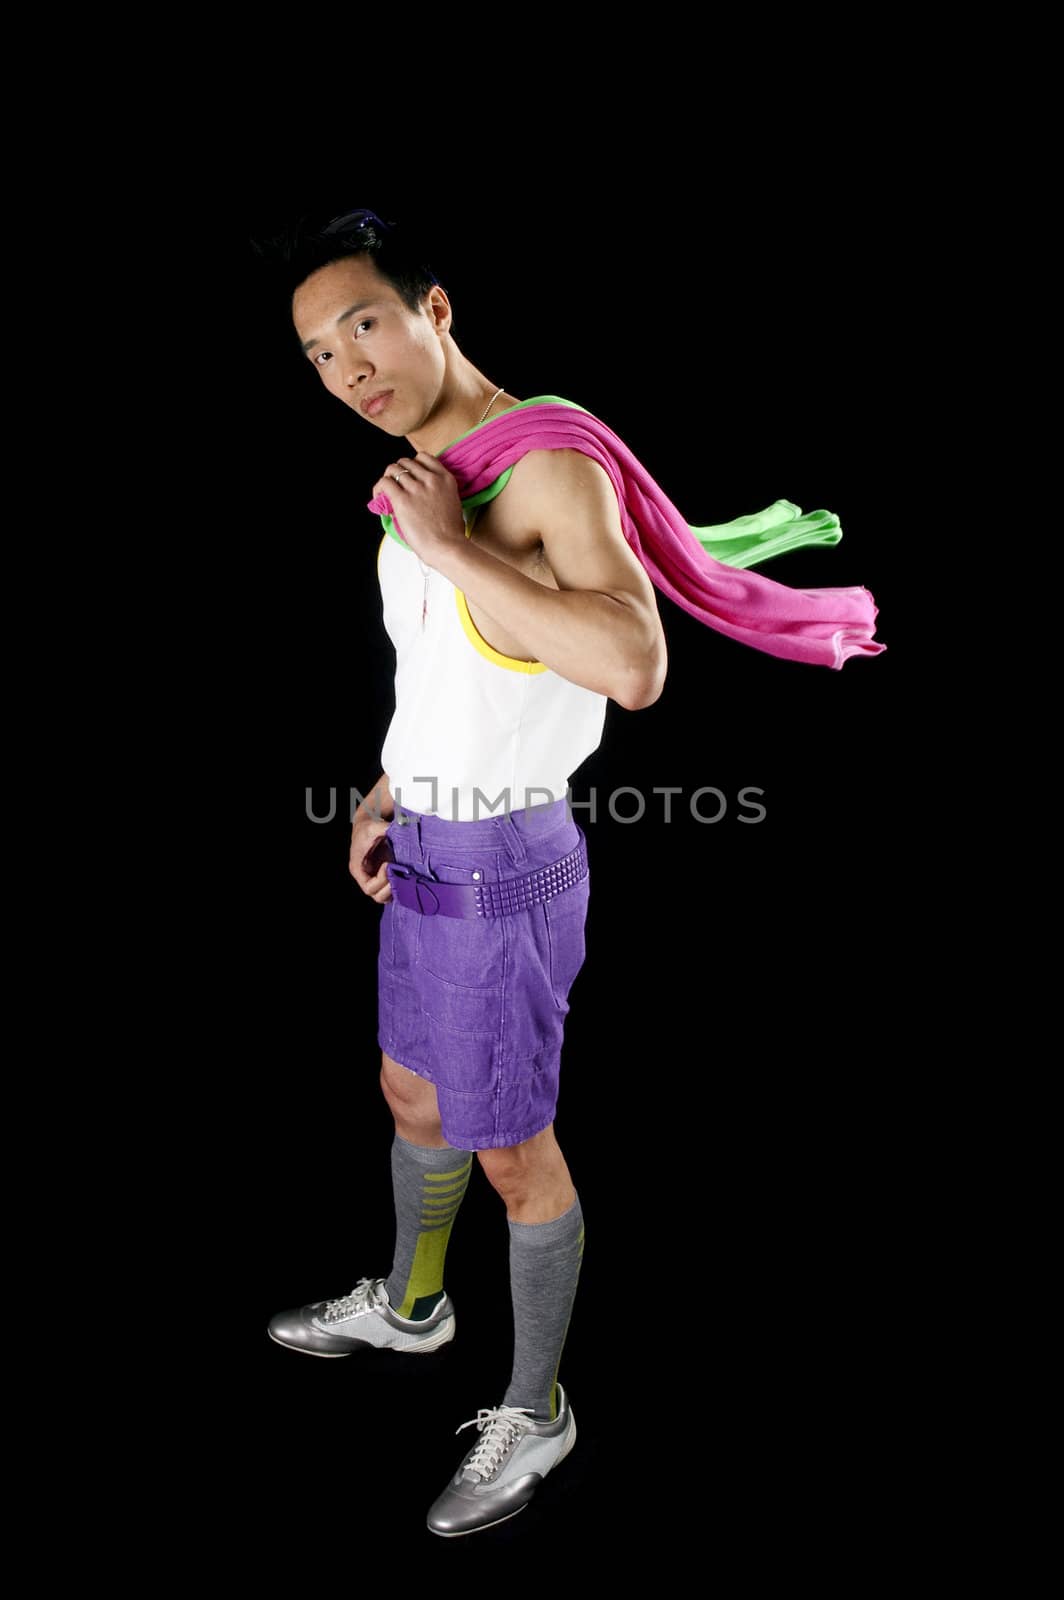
x=367 y=322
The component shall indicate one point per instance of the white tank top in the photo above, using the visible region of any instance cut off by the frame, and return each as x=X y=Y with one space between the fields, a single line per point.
x=465 y=714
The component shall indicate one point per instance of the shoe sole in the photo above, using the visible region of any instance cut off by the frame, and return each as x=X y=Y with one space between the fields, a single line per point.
x=431 y=1341
x=460 y=1533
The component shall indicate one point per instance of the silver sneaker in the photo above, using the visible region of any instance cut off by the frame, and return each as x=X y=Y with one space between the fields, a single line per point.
x=501 y=1473
x=360 y=1320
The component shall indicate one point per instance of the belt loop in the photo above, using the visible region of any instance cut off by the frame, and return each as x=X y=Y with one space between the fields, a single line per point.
x=420 y=853
x=410 y=821
x=513 y=838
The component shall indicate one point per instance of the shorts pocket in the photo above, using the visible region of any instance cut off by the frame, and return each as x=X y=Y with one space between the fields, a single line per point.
x=462 y=954
x=472 y=1013
x=566 y=915
x=460 y=970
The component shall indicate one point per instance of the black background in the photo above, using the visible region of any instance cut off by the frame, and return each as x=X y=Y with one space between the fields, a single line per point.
x=736 y=1055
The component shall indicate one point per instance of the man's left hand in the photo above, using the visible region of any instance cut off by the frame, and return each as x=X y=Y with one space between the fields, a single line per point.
x=426 y=503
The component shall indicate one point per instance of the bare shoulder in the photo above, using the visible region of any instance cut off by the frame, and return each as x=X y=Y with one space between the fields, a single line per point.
x=570 y=502
x=548 y=491
x=549 y=477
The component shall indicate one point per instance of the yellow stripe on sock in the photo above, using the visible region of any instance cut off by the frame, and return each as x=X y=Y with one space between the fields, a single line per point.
x=441 y=1198
x=426 y=1271
x=438 y=1177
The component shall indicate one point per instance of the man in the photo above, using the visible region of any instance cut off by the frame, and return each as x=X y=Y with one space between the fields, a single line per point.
x=514 y=621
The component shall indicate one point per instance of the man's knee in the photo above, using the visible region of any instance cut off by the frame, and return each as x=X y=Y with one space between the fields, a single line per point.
x=511 y=1167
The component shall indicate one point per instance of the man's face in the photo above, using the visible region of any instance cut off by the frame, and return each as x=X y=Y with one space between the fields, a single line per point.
x=380 y=345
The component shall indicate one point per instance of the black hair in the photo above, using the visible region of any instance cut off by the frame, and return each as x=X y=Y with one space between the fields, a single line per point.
x=305 y=245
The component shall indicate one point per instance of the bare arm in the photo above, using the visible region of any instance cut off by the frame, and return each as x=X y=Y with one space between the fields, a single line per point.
x=600 y=627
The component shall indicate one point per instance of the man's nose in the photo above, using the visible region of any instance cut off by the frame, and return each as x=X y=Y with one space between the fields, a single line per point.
x=355 y=370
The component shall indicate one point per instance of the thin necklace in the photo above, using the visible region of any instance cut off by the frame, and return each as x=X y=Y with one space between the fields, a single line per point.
x=427 y=571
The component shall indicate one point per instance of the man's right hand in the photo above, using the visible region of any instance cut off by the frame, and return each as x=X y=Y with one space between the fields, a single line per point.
x=369 y=852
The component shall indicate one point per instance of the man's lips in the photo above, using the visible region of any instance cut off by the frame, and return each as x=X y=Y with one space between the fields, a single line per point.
x=376 y=402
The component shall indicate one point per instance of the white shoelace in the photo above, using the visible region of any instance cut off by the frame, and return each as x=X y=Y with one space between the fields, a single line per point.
x=500 y=1427
x=365 y=1297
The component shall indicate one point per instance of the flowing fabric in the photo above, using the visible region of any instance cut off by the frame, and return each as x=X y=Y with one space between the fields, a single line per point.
x=699 y=568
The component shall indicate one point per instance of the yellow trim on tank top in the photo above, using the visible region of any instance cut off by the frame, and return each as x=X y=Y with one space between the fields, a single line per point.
x=479 y=643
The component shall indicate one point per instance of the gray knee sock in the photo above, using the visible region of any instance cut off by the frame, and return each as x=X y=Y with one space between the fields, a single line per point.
x=428 y=1186
x=544 y=1266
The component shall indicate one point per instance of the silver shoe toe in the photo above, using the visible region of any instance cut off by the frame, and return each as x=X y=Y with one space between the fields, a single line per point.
x=500 y=1474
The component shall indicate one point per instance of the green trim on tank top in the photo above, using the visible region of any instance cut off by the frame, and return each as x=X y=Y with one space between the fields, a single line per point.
x=490 y=490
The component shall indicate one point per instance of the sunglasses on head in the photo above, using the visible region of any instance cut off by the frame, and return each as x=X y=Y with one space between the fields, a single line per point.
x=364 y=218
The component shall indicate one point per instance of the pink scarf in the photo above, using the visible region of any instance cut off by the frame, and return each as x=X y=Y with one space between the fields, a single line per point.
x=821 y=626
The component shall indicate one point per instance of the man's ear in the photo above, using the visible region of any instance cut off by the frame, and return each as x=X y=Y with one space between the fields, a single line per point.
x=438 y=310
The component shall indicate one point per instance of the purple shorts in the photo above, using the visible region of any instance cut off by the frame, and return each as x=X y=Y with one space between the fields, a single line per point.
x=477 y=1005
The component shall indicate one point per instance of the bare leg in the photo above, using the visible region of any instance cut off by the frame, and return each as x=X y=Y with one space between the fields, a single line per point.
x=413 y=1104
x=533 y=1178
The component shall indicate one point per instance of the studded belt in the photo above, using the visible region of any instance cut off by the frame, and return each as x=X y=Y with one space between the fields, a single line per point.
x=432 y=898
